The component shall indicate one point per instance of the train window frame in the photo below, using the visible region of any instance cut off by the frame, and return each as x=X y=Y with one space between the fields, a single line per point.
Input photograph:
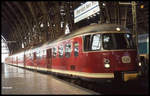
x=129 y=39
x=54 y=52
x=87 y=45
x=39 y=54
x=116 y=46
x=99 y=44
x=45 y=52
x=76 y=49
x=68 y=50
x=108 y=40
x=60 y=51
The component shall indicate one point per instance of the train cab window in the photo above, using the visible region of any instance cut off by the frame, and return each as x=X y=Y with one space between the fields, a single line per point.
x=129 y=40
x=54 y=52
x=76 y=49
x=108 y=41
x=117 y=41
x=96 y=42
x=68 y=50
x=60 y=50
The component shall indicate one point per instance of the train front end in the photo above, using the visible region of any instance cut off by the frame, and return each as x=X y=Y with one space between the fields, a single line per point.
x=112 y=52
x=120 y=54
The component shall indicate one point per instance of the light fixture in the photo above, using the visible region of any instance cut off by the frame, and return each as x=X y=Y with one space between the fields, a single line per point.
x=48 y=23
x=142 y=6
x=41 y=25
x=104 y=4
x=139 y=63
x=107 y=65
x=118 y=29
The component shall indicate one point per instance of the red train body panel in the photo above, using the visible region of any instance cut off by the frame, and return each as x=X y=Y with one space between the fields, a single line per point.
x=68 y=56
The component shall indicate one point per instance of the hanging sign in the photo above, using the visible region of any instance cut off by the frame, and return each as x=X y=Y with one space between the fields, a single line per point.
x=87 y=9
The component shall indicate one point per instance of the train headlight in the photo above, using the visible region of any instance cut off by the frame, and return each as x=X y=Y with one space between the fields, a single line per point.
x=107 y=65
x=139 y=63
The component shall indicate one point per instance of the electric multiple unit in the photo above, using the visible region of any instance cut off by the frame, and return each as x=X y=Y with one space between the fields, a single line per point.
x=94 y=52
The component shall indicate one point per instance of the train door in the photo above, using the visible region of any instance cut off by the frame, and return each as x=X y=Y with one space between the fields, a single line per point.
x=12 y=60
x=76 y=59
x=34 y=59
x=49 y=57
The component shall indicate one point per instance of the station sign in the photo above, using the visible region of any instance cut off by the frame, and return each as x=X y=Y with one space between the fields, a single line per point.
x=142 y=38
x=87 y=9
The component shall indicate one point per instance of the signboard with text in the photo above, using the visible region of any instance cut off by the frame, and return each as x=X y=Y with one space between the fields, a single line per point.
x=87 y=9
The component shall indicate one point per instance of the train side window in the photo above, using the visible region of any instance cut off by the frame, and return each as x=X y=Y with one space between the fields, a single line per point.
x=87 y=42
x=41 y=54
x=96 y=43
x=76 y=49
x=60 y=49
x=36 y=54
x=68 y=50
x=44 y=53
x=54 y=52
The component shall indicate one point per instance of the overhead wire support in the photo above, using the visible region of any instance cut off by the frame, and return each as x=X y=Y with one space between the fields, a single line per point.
x=135 y=34
x=134 y=21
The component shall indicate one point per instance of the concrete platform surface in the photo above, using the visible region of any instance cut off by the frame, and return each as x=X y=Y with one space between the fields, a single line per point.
x=21 y=81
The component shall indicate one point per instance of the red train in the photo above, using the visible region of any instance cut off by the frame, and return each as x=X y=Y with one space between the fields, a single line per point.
x=100 y=51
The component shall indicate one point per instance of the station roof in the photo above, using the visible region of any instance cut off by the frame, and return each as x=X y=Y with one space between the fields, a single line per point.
x=21 y=21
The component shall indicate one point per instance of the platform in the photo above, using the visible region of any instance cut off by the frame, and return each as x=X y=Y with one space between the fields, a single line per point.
x=21 y=81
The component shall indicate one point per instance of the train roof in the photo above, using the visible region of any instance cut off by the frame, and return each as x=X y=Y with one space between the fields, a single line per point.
x=98 y=28
x=91 y=29
x=83 y=30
